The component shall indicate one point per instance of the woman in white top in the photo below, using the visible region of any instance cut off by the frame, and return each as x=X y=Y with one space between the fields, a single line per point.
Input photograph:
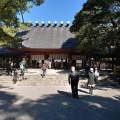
x=96 y=71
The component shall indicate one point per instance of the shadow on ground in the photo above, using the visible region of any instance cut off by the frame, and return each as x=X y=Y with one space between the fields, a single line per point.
x=62 y=71
x=107 y=80
x=59 y=107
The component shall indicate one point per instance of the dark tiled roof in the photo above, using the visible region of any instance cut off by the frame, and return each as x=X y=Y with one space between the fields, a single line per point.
x=6 y=50
x=47 y=37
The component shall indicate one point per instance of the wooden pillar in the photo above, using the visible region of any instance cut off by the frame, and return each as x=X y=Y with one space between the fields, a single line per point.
x=69 y=60
x=46 y=55
x=70 y=55
x=83 y=64
x=29 y=60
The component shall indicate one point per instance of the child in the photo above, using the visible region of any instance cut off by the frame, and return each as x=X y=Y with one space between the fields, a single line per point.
x=14 y=74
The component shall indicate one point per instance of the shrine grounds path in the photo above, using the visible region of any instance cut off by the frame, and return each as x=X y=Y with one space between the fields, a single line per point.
x=49 y=98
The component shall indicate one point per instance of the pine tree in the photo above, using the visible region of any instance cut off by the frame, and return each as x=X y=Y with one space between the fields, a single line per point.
x=97 y=27
x=9 y=9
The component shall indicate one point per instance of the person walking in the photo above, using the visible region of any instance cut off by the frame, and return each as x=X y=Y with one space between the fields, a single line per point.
x=49 y=66
x=96 y=71
x=91 y=80
x=61 y=64
x=8 y=68
x=87 y=68
x=14 y=75
x=44 y=67
x=11 y=64
x=22 y=68
x=56 y=65
x=73 y=79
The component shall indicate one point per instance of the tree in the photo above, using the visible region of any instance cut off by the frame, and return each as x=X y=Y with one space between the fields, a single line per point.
x=8 y=17
x=7 y=35
x=97 y=27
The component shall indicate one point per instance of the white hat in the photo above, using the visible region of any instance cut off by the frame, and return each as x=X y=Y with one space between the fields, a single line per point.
x=91 y=69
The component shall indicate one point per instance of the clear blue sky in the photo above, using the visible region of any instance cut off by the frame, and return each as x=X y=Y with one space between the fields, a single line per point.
x=54 y=10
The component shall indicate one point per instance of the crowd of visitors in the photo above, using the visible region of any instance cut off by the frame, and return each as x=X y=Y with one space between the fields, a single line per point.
x=91 y=70
x=52 y=64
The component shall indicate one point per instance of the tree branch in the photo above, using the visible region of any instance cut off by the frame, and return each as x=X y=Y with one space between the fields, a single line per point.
x=6 y=5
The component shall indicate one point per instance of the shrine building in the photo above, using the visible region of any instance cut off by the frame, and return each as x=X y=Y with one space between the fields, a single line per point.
x=50 y=42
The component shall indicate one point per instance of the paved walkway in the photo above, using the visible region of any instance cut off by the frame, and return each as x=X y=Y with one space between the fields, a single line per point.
x=36 y=102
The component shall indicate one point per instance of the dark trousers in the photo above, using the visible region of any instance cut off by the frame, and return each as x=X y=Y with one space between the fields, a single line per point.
x=91 y=90
x=22 y=73
x=96 y=80
x=74 y=88
x=9 y=71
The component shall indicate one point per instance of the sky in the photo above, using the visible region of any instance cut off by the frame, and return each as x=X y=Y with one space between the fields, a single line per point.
x=54 y=10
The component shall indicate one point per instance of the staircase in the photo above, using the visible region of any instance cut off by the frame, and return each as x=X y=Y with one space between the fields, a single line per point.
x=37 y=80
x=53 y=78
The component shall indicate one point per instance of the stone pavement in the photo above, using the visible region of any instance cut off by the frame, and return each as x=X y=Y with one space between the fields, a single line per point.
x=54 y=102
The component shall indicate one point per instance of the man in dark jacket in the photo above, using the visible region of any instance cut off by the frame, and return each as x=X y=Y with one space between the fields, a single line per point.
x=9 y=68
x=73 y=79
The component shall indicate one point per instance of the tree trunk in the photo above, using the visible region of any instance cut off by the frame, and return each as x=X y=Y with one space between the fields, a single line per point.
x=22 y=16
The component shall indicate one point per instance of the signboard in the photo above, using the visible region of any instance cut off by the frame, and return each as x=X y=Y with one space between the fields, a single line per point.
x=78 y=61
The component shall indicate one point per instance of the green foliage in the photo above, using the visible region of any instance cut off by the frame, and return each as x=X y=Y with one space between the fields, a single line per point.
x=9 y=21
x=8 y=40
x=96 y=26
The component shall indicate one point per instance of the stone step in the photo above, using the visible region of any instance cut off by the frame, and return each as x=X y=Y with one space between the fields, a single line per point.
x=36 y=83
x=43 y=83
x=37 y=76
x=59 y=80
x=49 y=75
x=36 y=79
